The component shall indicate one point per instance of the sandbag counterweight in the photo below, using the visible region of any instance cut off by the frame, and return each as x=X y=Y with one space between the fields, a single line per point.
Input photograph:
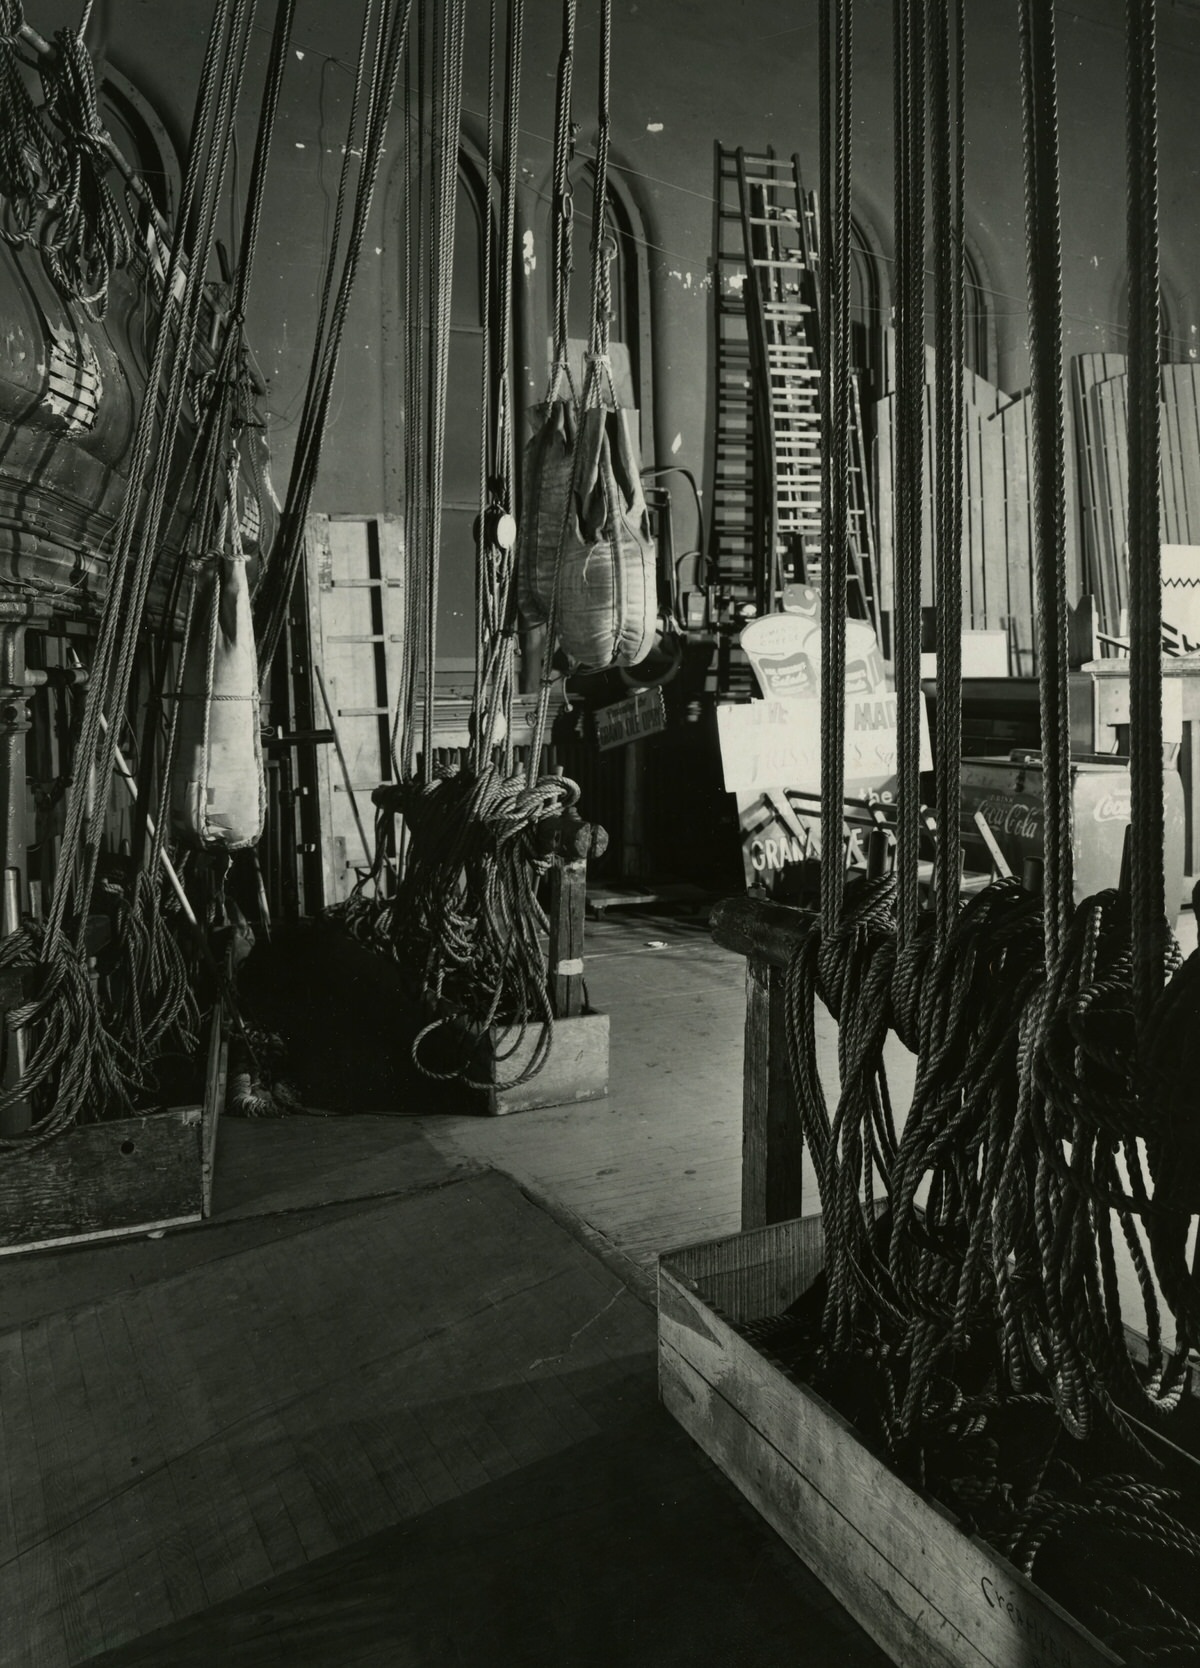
x=218 y=789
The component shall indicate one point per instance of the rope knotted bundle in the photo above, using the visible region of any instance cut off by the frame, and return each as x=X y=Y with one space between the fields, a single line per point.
x=466 y=918
x=85 y=238
x=31 y=159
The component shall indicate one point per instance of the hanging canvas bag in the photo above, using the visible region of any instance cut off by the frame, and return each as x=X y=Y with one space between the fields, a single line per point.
x=586 y=558
x=218 y=791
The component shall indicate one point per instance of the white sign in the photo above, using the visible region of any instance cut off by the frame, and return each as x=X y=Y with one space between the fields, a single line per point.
x=777 y=744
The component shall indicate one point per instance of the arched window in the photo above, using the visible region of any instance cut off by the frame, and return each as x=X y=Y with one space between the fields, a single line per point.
x=142 y=139
x=979 y=324
x=869 y=310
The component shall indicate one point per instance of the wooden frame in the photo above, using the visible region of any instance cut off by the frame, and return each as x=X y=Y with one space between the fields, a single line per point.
x=929 y=1594
x=119 y=1177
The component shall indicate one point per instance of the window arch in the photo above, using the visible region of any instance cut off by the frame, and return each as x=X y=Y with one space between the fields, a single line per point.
x=979 y=322
x=628 y=276
x=143 y=140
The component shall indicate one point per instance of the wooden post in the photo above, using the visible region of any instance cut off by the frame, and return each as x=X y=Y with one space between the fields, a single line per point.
x=772 y=1145
x=568 y=897
x=14 y=727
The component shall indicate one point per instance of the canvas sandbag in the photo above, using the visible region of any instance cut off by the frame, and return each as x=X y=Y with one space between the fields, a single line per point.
x=218 y=792
x=585 y=514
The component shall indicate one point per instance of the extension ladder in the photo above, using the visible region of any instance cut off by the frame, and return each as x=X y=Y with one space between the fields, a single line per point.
x=733 y=567
x=781 y=246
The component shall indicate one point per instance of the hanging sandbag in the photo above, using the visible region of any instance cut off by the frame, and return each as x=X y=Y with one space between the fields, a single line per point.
x=586 y=559
x=218 y=793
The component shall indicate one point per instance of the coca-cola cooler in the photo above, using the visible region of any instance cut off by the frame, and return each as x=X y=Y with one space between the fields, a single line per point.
x=1009 y=793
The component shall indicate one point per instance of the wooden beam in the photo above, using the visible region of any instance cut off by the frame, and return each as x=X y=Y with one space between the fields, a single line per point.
x=568 y=899
x=756 y=927
x=772 y=1143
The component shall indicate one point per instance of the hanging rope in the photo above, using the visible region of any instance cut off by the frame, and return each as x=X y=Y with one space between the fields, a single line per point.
x=389 y=34
x=911 y=100
x=87 y=239
x=1147 y=829
x=31 y=161
x=947 y=147
x=1039 y=97
x=66 y=1083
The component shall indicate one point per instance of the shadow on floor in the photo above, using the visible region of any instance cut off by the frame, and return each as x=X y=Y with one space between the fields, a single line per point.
x=347 y=1021
x=627 y=1551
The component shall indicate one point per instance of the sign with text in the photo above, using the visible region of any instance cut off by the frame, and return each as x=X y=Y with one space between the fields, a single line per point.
x=777 y=744
x=640 y=714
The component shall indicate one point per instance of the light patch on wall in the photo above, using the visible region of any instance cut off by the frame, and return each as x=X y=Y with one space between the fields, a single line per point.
x=676 y=445
x=300 y=145
x=654 y=127
x=528 y=257
x=299 y=55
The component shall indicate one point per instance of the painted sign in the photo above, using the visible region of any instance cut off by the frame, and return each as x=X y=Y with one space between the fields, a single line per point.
x=640 y=714
x=777 y=744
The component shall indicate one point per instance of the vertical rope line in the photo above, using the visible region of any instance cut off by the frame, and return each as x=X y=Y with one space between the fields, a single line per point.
x=947 y=181
x=910 y=424
x=415 y=416
x=562 y=260
x=505 y=436
x=1044 y=245
x=1147 y=884
x=834 y=68
x=484 y=555
x=601 y=297
x=561 y=243
x=449 y=116
x=168 y=338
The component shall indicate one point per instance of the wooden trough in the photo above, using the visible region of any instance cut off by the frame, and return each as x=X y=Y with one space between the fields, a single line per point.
x=928 y=1593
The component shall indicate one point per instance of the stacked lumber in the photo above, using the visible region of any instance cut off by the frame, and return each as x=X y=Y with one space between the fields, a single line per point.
x=1100 y=395
x=997 y=538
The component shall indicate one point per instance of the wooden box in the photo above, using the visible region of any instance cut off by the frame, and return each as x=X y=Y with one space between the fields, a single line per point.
x=576 y=1070
x=99 y=1181
x=120 y=1177
x=930 y=1595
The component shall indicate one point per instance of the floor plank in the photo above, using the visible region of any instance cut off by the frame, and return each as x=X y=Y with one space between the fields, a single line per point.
x=293 y=1400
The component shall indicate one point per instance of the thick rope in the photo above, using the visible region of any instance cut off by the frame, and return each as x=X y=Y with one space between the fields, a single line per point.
x=1147 y=836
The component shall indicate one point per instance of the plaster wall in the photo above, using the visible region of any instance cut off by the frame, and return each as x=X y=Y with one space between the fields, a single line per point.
x=685 y=73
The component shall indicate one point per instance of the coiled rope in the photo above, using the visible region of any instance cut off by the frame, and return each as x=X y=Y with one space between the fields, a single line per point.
x=1053 y=1123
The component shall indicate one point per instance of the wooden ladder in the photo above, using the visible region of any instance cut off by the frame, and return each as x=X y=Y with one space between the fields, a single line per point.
x=781 y=245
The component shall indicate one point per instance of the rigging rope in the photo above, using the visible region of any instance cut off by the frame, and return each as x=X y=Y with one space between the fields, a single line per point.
x=1052 y=1127
x=67 y=1081
x=390 y=39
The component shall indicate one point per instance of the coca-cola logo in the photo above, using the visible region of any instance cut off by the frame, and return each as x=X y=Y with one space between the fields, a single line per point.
x=1010 y=816
x=1112 y=807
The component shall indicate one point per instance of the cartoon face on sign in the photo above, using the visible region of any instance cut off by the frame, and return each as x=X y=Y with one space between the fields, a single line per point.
x=785 y=650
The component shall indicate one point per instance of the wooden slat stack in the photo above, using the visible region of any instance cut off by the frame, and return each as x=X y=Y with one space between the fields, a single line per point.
x=997 y=540
x=1100 y=391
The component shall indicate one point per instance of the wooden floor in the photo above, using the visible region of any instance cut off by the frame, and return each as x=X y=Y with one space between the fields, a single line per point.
x=656 y=1164
x=341 y=1447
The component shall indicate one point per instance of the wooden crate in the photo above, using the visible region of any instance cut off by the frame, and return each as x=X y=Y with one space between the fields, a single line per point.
x=577 y=1069
x=930 y=1595
x=104 y=1180
x=120 y=1177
